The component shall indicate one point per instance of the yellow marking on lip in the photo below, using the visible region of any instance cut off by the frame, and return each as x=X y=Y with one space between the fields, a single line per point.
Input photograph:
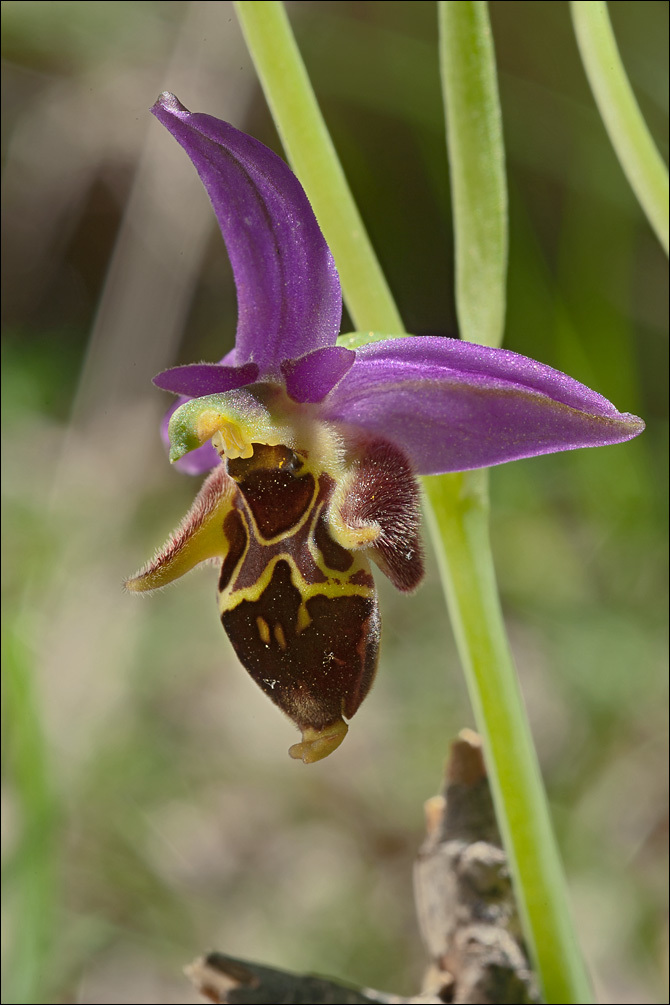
x=304 y=620
x=263 y=630
x=338 y=585
x=280 y=637
x=230 y=598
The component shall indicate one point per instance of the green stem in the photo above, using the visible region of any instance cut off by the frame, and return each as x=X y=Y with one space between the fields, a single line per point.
x=477 y=169
x=458 y=519
x=312 y=155
x=458 y=514
x=632 y=142
x=457 y=504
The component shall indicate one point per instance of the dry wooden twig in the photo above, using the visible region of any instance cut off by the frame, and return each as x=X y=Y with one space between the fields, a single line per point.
x=463 y=892
x=222 y=978
x=466 y=912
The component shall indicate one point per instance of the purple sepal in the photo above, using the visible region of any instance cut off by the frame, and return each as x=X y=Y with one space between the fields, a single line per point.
x=288 y=290
x=199 y=461
x=452 y=406
x=195 y=380
x=310 y=378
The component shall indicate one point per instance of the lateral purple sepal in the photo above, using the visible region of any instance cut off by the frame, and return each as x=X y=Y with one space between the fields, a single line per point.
x=195 y=380
x=288 y=291
x=452 y=406
x=310 y=378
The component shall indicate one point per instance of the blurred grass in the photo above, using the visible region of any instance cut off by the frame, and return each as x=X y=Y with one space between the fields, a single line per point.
x=151 y=810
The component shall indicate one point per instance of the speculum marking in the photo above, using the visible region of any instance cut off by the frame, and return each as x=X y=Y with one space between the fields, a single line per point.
x=300 y=610
x=318 y=672
x=277 y=497
x=263 y=630
x=236 y=535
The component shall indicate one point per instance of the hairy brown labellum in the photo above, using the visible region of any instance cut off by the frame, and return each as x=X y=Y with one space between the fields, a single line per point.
x=296 y=595
x=300 y=610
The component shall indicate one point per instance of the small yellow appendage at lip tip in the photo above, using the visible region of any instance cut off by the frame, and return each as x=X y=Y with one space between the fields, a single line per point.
x=319 y=743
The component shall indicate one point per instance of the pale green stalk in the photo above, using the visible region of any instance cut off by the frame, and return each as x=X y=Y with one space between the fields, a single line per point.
x=632 y=142
x=458 y=518
x=459 y=510
x=477 y=169
x=457 y=504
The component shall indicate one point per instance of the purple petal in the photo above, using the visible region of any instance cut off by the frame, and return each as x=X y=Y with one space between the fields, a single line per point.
x=195 y=380
x=311 y=377
x=288 y=291
x=451 y=405
x=199 y=461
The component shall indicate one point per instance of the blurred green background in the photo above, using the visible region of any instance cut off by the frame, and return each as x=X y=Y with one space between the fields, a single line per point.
x=151 y=811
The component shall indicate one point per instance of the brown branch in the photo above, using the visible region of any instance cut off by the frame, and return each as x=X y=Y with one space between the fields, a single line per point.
x=463 y=892
x=225 y=979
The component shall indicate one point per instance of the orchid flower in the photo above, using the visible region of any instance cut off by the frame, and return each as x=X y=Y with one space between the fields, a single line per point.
x=314 y=443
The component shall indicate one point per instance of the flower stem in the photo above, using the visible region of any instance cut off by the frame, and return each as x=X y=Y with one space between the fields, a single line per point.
x=477 y=169
x=459 y=508
x=310 y=150
x=458 y=519
x=632 y=142
x=457 y=504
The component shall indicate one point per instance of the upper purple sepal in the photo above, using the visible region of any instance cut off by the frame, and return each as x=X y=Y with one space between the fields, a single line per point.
x=452 y=405
x=288 y=290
